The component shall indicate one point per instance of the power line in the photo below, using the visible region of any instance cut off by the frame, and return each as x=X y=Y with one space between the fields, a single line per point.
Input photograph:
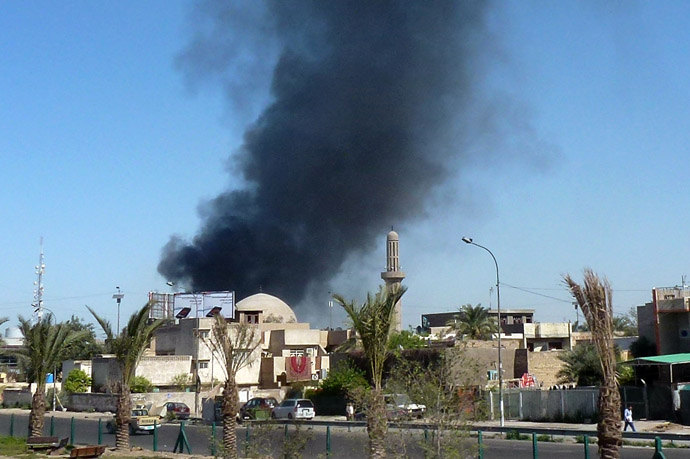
x=535 y=293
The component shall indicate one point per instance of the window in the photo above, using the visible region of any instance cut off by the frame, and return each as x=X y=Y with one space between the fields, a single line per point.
x=203 y=364
x=203 y=334
x=252 y=318
x=296 y=352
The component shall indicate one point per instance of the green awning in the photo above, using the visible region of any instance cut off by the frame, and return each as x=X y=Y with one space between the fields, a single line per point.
x=668 y=359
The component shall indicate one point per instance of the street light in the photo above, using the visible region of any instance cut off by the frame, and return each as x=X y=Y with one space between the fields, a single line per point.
x=468 y=240
x=118 y=297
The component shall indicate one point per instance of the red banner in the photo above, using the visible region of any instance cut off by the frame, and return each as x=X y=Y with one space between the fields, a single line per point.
x=298 y=368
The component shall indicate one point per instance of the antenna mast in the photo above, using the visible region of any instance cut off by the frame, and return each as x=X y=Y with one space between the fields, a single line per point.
x=38 y=291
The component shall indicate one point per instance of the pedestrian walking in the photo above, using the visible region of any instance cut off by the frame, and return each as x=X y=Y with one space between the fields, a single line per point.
x=628 y=418
x=350 y=412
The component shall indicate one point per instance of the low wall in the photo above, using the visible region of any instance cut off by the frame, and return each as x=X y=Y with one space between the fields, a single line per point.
x=108 y=402
x=91 y=402
x=12 y=398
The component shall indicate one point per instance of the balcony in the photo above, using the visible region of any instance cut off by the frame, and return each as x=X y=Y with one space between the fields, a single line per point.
x=674 y=305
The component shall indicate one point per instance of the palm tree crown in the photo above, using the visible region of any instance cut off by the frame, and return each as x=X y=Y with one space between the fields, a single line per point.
x=130 y=345
x=44 y=346
x=373 y=321
x=474 y=322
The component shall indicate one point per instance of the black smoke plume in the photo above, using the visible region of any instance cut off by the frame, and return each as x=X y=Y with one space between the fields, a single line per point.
x=372 y=105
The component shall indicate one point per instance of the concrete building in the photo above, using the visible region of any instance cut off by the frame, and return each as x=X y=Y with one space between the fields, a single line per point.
x=512 y=320
x=288 y=350
x=393 y=275
x=665 y=320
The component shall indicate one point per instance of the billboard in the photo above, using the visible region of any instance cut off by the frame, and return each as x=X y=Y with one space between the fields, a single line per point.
x=203 y=303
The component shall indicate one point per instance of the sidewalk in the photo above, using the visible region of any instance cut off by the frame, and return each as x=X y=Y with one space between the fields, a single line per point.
x=642 y=425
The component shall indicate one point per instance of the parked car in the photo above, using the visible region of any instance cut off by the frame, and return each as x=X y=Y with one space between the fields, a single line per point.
x=177 y=410
x=139 y=421
x=393 y=413
x=404 y=402
x=294 y=408
x=257 y=408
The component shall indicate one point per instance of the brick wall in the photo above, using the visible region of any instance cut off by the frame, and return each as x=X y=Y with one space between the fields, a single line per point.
x=545 y=365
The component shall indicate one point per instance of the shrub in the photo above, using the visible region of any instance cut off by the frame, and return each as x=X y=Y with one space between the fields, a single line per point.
x=343 y=378
x=77 y=382
x=141 y=385
x=182 y=381
x=515 y=435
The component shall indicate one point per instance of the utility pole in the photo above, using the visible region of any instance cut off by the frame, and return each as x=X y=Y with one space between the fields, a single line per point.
x=118 y=297
x=38 y=291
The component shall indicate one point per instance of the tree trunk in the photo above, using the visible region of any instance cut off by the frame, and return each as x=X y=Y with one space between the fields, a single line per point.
x=377 y=425
x=38 y=410
x=122 y=417
x=609 y=426
x=230 y=402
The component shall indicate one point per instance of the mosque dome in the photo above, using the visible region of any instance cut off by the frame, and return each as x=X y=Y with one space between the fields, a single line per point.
x=269 y=305
x=392 y=236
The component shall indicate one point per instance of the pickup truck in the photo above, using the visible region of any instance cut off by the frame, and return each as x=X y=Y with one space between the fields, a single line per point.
x=139 y=421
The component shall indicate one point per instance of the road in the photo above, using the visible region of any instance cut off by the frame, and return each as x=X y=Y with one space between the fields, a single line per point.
x=344 y=444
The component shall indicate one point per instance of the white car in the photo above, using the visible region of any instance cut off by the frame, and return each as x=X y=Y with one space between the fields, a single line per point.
x=294 y=408
x=404 y=402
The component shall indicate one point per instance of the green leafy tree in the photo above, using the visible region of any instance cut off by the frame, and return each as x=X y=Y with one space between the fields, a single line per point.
x=626 y=324
x=342 y=379
x=642 y=347
x=373 y=321
x=474 y=322
x=86 y=347
x=77 y=382
x=234 y=345
x=141 y=385
x=45 y=344
x=182 y=381
x=406 y=340
x=440 y=383
x=128 y=346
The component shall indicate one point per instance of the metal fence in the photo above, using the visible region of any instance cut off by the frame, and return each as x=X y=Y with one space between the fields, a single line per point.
x=205 y=440
x=578 y=405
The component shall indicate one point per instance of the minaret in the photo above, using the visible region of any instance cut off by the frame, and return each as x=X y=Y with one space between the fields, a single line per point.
x=393 y=275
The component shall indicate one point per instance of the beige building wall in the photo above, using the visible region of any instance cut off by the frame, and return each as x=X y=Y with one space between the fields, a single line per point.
x=545 y=365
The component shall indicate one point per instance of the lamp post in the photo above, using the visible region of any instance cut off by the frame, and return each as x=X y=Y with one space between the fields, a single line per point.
x=118 y=297
x=468 y=240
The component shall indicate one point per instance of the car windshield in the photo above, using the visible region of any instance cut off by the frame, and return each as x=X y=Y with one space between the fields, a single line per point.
x=139 y=413
x=305 y=404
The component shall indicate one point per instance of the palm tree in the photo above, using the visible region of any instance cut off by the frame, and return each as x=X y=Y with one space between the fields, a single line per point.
x=44 y=346
x=474 y=322
x=594 y=299
x=373 y=322
x=128 y=347
x=234 y=345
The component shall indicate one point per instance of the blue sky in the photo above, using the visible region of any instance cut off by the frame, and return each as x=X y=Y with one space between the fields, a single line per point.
x=106 y=152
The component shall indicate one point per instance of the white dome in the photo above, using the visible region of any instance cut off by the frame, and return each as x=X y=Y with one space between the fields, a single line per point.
x=269 y=305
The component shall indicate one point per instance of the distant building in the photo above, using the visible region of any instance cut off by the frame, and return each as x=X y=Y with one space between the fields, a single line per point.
x=288 y=351
x=665 y=320
x=516 y=325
